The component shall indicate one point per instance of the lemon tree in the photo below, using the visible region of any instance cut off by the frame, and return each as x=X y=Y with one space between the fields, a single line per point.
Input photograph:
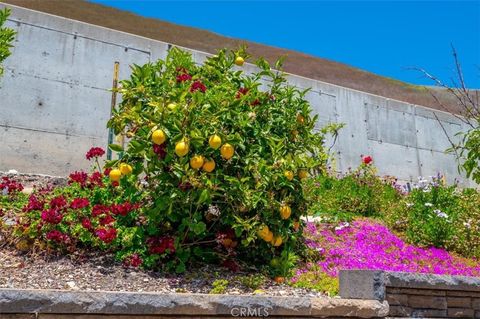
x=221 y=155
x=7 y=36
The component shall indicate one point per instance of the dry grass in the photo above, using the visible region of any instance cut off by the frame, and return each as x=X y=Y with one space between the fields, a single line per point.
x=296 y=63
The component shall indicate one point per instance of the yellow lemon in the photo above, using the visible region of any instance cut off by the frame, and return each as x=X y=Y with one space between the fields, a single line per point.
x=159 y=137
x=115 y=175
x=285 y=211
x=227 y=151
x=277 y=241
x=126 y=169
x=239 y=61
x=209 y=166
x=215 y=141
x=171 y=106
x=302 y=174
x=181 y=149
x=268 y=237
x=288 y=175
x=300 y=119
x=263 y=231
x=196 y=162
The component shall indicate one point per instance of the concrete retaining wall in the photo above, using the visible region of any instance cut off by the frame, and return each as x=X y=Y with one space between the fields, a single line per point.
x=411 y=295
x=54 y=103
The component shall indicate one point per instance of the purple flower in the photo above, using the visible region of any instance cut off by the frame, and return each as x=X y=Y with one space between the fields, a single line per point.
x=365 y=244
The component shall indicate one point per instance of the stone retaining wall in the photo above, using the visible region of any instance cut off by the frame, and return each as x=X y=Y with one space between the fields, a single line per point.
x=415 y=295
x=57 y=304
x=364 y=294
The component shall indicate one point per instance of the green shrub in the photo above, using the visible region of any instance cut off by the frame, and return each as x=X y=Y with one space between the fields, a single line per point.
x=12 y=201
x=466 y=237
x=223 y=158
x=469 y=147
x=318 y=280
x=358 y=193
x=430 y=215
x=89 y=213
x=434 y=214
x=253 y=281
x=219 y=286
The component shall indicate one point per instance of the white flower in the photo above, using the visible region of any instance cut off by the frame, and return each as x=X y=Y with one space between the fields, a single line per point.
x=428 y=204
x=467 y=224
x=409 y=204
x=440 y=214
x=421 y=180
x=342 y=226
x=5 y=191
x=214 y=210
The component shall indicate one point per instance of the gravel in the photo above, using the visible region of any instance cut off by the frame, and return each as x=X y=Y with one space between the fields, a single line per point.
x=30 y=181
x=100 y=272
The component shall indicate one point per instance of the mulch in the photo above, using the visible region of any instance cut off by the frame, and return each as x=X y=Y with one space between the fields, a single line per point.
x=96 y=272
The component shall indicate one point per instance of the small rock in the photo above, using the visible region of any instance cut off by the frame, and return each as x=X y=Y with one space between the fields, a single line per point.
x=71 y=285
x=12 y=172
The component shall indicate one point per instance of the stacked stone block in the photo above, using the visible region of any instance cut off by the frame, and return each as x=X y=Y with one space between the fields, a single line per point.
x=415 y=295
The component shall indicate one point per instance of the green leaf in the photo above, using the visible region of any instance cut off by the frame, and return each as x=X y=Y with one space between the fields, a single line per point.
x=199 y=228
x=204 y=197
x=115 y=147
x=180 y=268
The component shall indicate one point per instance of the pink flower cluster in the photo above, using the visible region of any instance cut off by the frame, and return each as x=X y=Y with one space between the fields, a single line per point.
x=9 y=186
x=159 y=245
x=82 y=178
x=240 y=92
x=94 y=152
x=52 y=216
x=133 y=260
x=198 y=86
x=34 y=204
x=107 y=235
x=183 y=75
x=365 y=244
x=160 y=150
x=57 y=236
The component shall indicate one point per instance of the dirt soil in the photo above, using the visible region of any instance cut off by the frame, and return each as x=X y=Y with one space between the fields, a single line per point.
x=101 y=272
x=296 y=62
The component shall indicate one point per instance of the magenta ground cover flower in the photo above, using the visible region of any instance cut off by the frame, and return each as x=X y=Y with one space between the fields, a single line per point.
x=366 y=244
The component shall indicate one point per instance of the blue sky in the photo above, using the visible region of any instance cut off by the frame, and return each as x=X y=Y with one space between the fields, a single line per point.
x=383 y=37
